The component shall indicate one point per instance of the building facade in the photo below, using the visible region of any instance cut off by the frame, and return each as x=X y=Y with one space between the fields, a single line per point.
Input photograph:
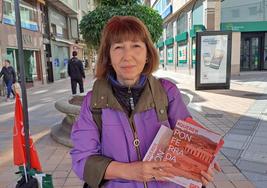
x=50 y=34
x=249 y=20
x=63 y=17
x=183 y=18
x=31 y=37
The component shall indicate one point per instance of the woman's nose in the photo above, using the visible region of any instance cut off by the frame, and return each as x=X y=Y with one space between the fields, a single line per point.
x=127 y=53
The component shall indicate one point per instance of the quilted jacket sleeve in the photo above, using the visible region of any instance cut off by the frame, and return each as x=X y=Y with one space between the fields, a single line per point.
x=87 y=161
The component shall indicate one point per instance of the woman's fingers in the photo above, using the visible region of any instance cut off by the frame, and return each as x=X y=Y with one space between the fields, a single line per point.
x=160 y=165
x=156 y=171
x=207 y=176
x=204 y=181
x=217 y=167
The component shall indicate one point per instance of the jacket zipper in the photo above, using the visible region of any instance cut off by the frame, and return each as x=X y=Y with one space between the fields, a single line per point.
x=136 y=141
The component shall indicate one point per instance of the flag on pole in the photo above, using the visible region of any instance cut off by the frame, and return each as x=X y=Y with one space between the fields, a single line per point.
x=19 y=149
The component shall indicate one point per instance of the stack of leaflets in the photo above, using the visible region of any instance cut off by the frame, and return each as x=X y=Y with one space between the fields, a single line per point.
x=190 y=147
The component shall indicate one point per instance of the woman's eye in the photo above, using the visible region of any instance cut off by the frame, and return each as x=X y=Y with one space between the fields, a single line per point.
x=136 y=45
x=117 y=47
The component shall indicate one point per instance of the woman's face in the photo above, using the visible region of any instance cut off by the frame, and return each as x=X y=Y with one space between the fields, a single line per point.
x=128 y=59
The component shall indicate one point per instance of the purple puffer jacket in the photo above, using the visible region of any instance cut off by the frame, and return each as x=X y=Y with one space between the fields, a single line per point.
x=117 y=137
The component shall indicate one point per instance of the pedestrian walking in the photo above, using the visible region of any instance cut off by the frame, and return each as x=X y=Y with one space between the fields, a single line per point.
x=76 y=73
x=9 y=77
x=132 y=105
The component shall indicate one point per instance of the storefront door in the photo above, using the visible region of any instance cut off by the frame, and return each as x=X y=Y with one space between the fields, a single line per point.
x=252 y=51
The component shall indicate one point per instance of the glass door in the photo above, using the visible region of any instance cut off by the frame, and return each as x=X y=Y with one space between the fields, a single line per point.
x=255 y=53
x=245 y=54
x=251 y=47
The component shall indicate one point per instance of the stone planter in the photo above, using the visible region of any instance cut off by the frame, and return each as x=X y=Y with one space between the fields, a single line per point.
x=61 y=132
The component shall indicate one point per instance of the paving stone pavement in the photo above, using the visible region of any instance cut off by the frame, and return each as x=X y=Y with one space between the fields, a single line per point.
x=249 y=152
x=237 y=114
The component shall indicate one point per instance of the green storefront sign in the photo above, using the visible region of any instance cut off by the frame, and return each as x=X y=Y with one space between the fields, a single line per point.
x=160 y=44
x=244 y=26
x=169 y=41
x=181 y=37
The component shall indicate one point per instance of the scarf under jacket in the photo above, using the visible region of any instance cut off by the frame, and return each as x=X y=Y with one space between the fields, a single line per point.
x=127 y=96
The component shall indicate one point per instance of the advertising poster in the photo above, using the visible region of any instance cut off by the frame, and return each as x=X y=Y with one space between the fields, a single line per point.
x=213 y=59
x=170 y=55
x=182 y=54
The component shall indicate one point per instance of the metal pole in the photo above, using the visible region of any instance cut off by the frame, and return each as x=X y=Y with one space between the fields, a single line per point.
x=22 y=84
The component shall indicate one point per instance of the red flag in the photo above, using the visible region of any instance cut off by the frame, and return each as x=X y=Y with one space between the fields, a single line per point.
x=19 y=149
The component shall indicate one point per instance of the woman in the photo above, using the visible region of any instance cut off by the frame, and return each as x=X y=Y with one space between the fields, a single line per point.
x=132 y=112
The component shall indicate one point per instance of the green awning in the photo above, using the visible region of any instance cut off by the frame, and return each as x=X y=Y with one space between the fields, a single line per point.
x=160 y=44
x=181 y=37
x=196 y=28
x=169 y=41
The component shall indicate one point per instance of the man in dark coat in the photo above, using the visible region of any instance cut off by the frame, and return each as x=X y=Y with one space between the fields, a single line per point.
x=9 y=77
x=76 y=73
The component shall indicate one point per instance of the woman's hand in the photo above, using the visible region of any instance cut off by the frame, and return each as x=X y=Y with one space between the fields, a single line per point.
x=208 y=176
x=139 y=171
x=150 y=171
